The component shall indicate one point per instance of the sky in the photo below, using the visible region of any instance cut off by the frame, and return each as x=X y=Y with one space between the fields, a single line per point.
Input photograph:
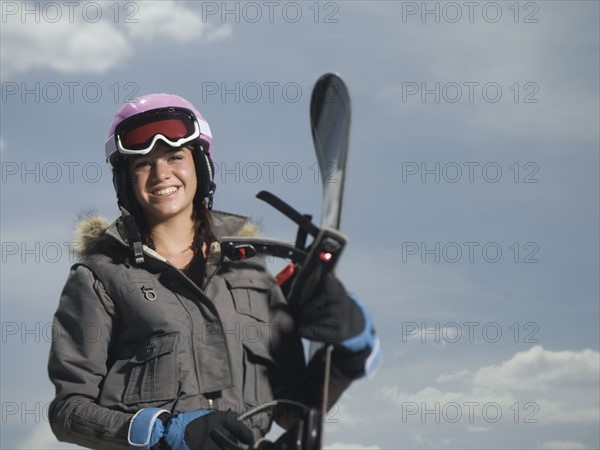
x=472 y=192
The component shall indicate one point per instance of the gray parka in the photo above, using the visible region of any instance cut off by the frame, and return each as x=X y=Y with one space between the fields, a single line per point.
x=128 y=337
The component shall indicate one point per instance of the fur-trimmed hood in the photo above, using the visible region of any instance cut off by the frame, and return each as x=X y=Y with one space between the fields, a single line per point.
x=93 y=234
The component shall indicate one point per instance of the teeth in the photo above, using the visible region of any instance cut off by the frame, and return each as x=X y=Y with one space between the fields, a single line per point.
x=166 y=191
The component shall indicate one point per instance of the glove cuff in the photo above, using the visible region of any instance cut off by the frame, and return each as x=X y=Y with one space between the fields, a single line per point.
x=147 y=428
x=366 y=337
x=361 y=354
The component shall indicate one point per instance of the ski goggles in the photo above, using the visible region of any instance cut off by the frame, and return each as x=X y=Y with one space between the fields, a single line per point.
x=138 y=134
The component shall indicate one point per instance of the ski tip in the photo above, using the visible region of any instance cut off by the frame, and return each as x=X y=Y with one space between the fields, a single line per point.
x=330 y=75
x=329 y=88
x=330 y=78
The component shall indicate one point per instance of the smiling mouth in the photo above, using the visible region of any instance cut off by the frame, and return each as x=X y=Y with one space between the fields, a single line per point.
x=165 y=191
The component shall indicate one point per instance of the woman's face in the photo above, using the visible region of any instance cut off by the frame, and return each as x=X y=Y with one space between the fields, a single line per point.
x=164 y=183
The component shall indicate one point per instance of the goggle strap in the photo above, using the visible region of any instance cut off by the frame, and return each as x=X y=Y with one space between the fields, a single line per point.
x=178 y=143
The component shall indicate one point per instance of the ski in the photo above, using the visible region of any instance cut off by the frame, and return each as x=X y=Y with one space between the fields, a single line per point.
x=330 y=120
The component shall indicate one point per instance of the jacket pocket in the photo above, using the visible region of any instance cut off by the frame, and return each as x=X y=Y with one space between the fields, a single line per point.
x=250 y=297
x=257 y=389
x=153 y=375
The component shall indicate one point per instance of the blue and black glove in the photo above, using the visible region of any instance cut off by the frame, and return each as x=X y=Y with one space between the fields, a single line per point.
x=157 y=429
x=336 y=317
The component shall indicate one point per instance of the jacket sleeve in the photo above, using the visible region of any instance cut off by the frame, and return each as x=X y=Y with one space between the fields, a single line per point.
x=82 y=329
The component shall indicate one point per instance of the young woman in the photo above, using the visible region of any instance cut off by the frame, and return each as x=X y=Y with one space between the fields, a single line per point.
x=159 y=338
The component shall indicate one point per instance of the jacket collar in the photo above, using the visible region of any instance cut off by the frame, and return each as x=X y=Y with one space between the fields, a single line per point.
x=92 y=232
x=224 y=224
x=228 y=224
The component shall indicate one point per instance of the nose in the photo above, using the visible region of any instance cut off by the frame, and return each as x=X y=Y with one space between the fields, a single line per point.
x=160 y=170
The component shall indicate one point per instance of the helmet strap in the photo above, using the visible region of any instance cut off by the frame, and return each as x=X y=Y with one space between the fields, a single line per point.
x=133 y=236
x=205 y=172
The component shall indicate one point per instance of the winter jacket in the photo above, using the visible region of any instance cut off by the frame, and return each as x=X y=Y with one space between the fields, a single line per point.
x=130 y=336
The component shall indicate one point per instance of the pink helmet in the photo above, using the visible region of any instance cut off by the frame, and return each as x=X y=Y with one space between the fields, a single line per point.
x=152 y=102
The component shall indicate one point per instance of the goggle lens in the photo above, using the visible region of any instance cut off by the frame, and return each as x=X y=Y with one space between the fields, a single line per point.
x=139 y=133
x=140 y=137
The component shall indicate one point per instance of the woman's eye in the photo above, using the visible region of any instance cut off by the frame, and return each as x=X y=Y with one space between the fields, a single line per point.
x=141 y=165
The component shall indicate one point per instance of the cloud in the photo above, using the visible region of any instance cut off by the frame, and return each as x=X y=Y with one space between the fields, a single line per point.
x=442 y=403
x=173 y=21
x=563 y=383
x=541 y=370
x=535 y=386
x=68 y=48
x=459 y=375
x=72 y=42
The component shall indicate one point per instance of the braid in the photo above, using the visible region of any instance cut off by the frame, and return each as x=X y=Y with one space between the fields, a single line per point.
x=203 y=232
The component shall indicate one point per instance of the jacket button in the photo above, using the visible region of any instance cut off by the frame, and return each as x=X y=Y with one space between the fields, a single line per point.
x=149 y=293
